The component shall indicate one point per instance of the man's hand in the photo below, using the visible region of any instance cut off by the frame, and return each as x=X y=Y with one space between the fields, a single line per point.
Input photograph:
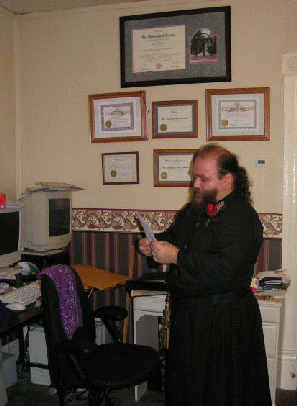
x=164 y=253
x=144 y=247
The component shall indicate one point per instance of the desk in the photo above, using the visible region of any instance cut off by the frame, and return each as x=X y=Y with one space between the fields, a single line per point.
x=99 y=278
x=149 y=305
x=29 y=316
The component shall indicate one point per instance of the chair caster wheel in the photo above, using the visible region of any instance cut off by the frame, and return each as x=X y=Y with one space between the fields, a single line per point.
x=52 y=391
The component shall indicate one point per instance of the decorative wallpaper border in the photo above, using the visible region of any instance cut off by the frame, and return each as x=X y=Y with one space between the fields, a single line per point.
x=272 y=224
x=122 y=220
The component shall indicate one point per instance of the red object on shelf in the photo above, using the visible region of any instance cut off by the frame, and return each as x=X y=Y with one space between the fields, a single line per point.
x=2 y=201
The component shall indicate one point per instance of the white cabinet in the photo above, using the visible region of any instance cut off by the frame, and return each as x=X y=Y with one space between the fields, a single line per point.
x=148 y=306
x=271 y=311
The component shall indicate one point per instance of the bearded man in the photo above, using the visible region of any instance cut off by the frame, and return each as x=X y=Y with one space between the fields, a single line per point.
x=216 y=350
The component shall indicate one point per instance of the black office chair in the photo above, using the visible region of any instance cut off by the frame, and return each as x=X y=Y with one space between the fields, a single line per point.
x=79 y=362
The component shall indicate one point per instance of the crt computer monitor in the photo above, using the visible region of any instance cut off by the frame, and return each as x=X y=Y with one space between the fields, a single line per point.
x=10 y=235
x=47 y=220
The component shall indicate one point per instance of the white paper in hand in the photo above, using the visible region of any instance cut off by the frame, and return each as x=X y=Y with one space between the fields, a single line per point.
x=146 y=228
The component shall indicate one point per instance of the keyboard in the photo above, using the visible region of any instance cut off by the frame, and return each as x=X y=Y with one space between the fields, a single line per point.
x=26 y=294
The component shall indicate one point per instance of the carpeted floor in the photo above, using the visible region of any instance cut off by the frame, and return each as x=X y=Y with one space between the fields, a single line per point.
x=27 y=394
x=286 y=397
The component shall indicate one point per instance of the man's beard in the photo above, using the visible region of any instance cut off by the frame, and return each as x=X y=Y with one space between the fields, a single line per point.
x=201 y=200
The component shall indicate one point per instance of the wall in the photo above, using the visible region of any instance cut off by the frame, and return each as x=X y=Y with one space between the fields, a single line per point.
x=7 y=108
x=68 y=55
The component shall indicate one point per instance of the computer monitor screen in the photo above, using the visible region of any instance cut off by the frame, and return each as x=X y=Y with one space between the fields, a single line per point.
x=10 y=236
x=59 y=217
x=47 y=220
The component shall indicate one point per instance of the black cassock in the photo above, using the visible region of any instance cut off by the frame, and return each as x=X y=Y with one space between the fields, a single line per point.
x=216 y=351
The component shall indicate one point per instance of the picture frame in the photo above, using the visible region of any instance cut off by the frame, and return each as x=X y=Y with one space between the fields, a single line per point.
x=238 y=114
x=118 y=116
x=175 y=119
x=172 y=167
x=120 y=168
x=197 y=43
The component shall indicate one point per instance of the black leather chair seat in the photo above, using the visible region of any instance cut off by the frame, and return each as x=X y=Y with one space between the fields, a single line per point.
x=117 y=366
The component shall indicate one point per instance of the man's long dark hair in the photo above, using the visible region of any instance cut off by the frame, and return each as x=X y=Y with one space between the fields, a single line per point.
x=228 y=163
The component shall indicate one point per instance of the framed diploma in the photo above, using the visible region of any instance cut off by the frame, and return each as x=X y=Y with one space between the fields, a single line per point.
x=238 y=114
x=118 y=117
x=175 y=119
x=184 y=46
x=120 y=168
x=173 y=167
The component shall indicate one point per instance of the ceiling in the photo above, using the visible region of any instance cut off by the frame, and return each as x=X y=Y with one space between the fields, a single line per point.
x=32 y=6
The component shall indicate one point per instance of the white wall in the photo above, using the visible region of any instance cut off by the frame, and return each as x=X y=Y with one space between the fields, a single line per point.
x=7 y=107
x=65 y=56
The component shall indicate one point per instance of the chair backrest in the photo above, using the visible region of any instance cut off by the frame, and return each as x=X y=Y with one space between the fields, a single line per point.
x=54 y=330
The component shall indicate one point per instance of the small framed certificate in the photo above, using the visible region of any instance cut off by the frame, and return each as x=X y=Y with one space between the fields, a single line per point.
x=118 y=117
x=120 y=168
x=175 y=119
x=173 y=167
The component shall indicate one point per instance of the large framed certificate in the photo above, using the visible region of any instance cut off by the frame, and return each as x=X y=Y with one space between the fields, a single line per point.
x=237 y=114
x=184 y=46
x=175 y=119
x=173 y=167
x=118 y=117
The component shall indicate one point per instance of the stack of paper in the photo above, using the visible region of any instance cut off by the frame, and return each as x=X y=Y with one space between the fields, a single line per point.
x=52 y=187
x=273 y=280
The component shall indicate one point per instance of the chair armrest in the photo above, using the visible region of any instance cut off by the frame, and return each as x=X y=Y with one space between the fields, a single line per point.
x=115 y=313
x=78 y=346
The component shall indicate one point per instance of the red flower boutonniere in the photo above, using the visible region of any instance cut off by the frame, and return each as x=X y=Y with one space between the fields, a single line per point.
x=212 y=210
